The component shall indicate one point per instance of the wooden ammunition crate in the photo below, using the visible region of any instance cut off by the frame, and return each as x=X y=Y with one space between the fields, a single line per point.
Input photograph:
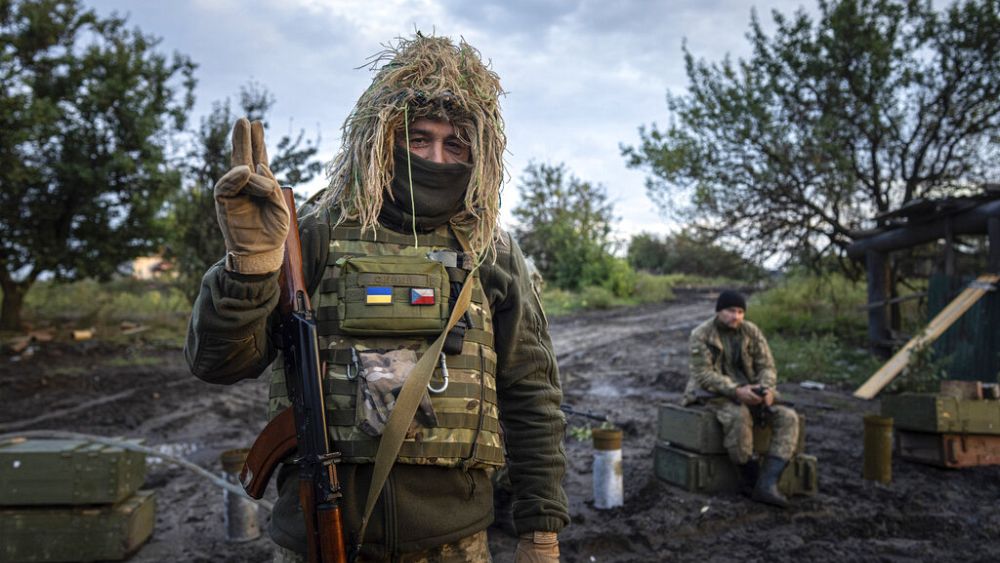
x=715 y=473
x=948 y=450
x=61 y=472
x=697 y=430
x=928 y=412
x=76 y=533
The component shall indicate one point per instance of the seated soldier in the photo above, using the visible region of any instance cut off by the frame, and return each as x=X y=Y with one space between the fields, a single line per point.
x=733 y=375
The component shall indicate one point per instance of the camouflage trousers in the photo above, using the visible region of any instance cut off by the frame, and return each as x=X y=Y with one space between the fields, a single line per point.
x=737 y=430
x=471 y=549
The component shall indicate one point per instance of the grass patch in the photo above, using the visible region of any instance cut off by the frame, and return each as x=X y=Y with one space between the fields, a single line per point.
x=821 y=357
x=807 y=305
x=104 y=306
x=133 y=361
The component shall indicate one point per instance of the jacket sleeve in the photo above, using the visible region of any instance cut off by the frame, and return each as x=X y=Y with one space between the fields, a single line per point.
x=703 y=370
x=529 y=394
x=763 y=361
x=229 y=334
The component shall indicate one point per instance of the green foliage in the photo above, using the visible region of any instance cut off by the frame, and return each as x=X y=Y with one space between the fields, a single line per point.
x=923 y=372
x=565 y=227
x=803 y=305
x=869 y=105
x=689 y=252
x=821 y=357
x=816 y=327
x=195 y=240
x=651 y=288
x=88 y=108
x=88 y=302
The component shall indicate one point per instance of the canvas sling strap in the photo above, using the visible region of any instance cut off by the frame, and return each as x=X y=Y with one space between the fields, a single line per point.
x=409 y=399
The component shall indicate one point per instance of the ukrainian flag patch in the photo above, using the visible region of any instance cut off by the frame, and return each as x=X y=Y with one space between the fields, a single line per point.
x=378 y=295
x=421 y=296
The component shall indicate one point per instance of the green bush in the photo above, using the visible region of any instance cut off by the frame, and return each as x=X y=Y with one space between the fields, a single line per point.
x=619 y=277
x=803 y=305
x=651 y=288
x=821 y=357
x=163 y=308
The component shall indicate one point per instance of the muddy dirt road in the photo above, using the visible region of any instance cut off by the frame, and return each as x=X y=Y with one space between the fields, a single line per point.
x=623 y=363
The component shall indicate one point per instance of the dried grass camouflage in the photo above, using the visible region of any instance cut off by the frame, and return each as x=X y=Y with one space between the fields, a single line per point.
x=422 y=77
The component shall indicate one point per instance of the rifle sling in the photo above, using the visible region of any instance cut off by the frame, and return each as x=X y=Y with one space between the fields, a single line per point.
x=409 y=398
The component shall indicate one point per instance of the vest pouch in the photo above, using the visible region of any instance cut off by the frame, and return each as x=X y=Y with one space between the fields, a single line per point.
x=392 y=295
x=380 y=380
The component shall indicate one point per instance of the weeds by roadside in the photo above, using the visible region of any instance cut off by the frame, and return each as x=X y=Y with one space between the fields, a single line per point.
x=160 y=310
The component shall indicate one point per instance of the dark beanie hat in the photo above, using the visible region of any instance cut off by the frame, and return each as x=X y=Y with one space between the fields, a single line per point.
x=729 y=299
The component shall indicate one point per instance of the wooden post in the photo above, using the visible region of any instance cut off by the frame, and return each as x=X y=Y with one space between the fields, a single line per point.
x=878 y=282
x=993 y=229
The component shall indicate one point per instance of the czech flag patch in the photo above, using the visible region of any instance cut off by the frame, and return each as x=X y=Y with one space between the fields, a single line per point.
x=421 y=296
x=378 y=295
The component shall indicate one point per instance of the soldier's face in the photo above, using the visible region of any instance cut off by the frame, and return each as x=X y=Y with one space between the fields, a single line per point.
x=436 y=141
x=731 y=316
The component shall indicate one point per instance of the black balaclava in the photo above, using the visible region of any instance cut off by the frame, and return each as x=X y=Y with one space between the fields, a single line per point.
x=438 y=193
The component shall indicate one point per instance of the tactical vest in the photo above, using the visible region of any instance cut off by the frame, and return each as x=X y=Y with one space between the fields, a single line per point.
x=467 y=430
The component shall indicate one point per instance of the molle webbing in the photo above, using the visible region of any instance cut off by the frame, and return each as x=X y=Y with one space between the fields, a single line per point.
x=468 y=426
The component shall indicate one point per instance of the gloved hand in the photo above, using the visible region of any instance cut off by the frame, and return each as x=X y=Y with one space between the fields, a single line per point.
x=537 y=547
x=252 y=214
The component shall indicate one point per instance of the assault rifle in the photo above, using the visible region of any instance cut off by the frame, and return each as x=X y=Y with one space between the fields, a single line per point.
x=301 y=428
x=570 y=410
x=762 y=412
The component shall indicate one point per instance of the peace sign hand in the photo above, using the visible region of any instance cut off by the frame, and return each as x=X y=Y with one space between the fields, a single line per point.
x=252 y=213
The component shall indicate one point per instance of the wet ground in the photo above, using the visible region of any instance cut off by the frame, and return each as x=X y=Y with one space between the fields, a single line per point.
x=623 y=363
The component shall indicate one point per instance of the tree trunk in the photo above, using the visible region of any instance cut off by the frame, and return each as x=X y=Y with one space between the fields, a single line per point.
x=13 y=301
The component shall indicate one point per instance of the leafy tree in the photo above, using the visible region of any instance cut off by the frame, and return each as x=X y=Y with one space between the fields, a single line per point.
x=688 y=252
x=196 y=242
x=565 y=227
x=87 y=109
x=831 y=121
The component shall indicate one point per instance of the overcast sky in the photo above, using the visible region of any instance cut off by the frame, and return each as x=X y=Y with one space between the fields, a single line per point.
x=581 y=76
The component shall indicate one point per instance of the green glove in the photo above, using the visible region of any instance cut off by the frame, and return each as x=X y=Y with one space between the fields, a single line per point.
x=252 y=213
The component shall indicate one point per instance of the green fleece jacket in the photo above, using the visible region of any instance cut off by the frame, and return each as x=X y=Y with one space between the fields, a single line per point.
x=230 y=338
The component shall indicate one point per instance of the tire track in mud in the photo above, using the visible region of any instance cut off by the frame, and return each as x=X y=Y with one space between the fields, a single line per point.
x=589 y=331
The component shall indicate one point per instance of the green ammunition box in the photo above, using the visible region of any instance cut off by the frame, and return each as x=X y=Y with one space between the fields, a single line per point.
x=714 y=473
x=61 y=472
x=76 y=533
x=697 y=430
x=928 y=412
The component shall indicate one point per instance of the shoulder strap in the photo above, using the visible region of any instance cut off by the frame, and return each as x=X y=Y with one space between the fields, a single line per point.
x=408 y=400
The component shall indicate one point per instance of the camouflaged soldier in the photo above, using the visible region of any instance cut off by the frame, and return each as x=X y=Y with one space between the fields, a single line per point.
x=386 y=248
x=733 y=375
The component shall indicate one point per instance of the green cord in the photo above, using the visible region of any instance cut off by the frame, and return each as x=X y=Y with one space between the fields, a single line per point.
x=409 y=171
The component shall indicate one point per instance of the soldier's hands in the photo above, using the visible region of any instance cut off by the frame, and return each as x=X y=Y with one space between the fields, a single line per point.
x=745 y=395
x=768 y=397
x=537 y=547
x=251 y=211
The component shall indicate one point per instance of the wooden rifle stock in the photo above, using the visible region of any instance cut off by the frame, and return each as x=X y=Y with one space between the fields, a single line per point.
x=301 y=428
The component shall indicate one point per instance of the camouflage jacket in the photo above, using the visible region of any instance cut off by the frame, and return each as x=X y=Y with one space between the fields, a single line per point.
x=229 y=339
x=706 y=363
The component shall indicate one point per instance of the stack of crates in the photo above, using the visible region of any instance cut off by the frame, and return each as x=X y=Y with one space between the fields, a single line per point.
x=72 y=500
x=689 y=453
x=958 y=427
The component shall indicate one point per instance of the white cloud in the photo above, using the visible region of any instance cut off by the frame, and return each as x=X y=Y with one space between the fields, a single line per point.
x=582 y=76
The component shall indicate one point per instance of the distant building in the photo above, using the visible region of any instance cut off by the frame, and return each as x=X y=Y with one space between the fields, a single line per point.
x=151 y=268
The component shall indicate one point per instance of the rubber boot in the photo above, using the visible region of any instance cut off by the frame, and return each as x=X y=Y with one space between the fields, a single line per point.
x=748 y=473
x=766 y=490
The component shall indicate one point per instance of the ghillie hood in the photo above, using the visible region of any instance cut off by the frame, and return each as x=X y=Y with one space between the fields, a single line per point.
x=416 y=78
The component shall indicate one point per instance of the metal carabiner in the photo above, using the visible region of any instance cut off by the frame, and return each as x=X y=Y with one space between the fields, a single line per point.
x=353 y=368
x=444 y=373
